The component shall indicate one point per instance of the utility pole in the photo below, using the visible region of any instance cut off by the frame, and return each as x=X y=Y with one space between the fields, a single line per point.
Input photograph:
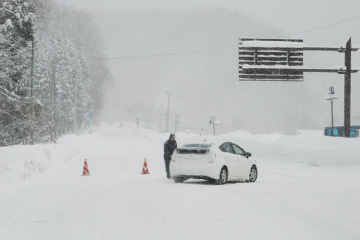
x=79 y=42
x=75 y=109
x=168 y=113
x=76 y=90
x=212 y=121
x=161 y=113
x=347 y=90
x=177 y=116
x=32 y=89
x=54 y=102
x=137 y=121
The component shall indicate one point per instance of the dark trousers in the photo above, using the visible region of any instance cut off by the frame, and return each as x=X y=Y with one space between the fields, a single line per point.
x=167 y=166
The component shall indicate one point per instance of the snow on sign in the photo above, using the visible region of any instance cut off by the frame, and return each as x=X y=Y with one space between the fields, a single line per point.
x=271 y=59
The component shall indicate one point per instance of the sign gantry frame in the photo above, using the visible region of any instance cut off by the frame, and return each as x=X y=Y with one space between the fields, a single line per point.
x=282 y=60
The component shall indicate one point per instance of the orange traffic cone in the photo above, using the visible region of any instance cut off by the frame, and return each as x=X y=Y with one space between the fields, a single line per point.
x=86 y=169
x=145 y=169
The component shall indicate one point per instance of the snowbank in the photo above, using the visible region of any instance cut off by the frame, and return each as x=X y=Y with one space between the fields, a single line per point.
x=21 y=162
x=18 y=163
x=309 y=147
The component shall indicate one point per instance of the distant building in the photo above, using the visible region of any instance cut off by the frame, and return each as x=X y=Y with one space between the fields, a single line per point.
x=339 y=131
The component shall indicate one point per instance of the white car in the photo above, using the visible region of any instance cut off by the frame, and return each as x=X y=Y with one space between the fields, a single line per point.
x=215 y=162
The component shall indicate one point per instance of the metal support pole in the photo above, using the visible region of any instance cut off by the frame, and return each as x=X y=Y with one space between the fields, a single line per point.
x=347 y=90
x=332 y=118
x=214 y=125
x=168 y=114
x=212 y=120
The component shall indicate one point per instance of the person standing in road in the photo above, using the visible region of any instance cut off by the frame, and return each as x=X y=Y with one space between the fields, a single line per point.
x=169 y=147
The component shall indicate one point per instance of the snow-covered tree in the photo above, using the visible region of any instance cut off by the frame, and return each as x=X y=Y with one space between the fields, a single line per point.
x=66 y=70
x=17 y=28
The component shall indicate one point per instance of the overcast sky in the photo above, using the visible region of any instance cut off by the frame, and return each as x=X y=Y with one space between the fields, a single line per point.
x=289 y=16
x=286 y=16
x=292 y=16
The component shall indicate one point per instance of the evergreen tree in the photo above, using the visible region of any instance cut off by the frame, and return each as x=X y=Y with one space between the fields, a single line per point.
x=69 y=77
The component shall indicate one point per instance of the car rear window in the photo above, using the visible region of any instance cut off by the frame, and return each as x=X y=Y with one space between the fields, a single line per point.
x=198 y=145
x=191 y=151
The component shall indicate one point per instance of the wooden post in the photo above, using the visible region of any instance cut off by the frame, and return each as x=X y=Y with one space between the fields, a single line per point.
x=347 y=90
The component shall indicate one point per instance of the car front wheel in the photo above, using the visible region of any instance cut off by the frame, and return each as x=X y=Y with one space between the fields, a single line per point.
x=222 y=177
x=179 y=179
x=253 y=174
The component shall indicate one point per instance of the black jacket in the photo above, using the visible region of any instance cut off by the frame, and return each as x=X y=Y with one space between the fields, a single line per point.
x=169 y=148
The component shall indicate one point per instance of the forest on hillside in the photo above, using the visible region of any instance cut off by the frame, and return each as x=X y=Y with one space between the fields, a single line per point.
x=52 y=75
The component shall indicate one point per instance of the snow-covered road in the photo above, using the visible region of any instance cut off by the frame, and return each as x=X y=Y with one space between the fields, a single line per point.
x=290 y=200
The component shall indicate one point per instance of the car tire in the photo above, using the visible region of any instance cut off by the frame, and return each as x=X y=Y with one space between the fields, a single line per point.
x=253 y=174
x=179 y=179
x=222 y=177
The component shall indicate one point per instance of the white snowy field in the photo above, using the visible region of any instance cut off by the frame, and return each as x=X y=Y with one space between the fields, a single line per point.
x=308 y=188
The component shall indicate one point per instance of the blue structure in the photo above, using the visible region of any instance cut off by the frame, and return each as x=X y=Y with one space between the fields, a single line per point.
x=339 y=131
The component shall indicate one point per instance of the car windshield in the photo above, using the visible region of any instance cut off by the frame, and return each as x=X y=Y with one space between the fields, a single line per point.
x=198 y=145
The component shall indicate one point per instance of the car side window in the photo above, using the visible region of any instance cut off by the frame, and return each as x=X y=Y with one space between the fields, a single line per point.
x=222 y=148
x=227 y=148
x=238 y=150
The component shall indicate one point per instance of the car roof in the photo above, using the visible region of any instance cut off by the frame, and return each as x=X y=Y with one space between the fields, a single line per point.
x=200 y=143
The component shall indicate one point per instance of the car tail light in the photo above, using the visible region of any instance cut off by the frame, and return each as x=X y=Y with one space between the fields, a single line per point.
x=212 y=157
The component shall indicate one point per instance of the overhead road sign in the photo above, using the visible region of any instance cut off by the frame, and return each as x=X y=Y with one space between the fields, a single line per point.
x=279 y=59
x=270 y=59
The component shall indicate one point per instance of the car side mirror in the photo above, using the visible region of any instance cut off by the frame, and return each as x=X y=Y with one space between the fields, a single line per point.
x=248 y=154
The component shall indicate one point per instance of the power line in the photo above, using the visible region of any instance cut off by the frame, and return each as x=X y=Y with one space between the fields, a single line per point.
x=171 y=54
x=137 y=91
x=223 y=47
x=322 y=27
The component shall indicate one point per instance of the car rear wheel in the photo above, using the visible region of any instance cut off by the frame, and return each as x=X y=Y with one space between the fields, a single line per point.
x=253 y=174
x=222 y=177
